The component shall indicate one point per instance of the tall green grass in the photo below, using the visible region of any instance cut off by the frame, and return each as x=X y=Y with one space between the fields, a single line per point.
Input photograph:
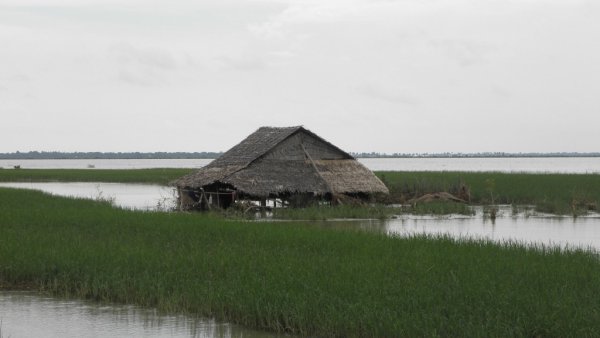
x=554 y=193
x=293 y=278
x=157 y=176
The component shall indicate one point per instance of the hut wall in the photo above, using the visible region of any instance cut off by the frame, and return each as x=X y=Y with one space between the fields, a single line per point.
x=186 y=199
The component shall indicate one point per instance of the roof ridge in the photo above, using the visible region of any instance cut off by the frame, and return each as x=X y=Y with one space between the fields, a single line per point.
x=295 y=130
x=286 y=131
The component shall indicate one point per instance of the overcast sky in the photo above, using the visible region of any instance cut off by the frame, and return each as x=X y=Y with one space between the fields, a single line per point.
x=368 y=75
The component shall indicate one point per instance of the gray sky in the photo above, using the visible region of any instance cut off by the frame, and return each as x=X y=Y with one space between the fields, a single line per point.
x=367 y=75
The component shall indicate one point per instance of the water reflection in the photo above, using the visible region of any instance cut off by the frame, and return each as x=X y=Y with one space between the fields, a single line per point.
x=27 y=314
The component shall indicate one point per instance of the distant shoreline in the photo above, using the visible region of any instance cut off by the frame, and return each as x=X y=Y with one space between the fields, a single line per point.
x=36 y=155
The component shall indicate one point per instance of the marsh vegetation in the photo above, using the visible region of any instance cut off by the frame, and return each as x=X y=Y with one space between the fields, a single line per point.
x=151 y=176
x=563 y=194
x=573 y=194
x=292 y=277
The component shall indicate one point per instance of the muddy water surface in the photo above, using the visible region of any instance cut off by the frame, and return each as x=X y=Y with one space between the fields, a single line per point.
x=28 y=314
x=129 y=196
x=525 y=226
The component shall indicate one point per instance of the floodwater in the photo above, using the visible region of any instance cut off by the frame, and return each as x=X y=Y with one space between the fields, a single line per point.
x=28 y=314
x=123 y=195
x=523 y=226
x=105 y=164
x=510 y=164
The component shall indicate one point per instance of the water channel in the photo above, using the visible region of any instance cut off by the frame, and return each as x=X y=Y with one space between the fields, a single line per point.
x=123 y=195
x=523 y=226
x=29 y=314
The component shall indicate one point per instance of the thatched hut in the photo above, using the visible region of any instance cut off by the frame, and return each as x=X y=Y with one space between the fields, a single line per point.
x=283 y=164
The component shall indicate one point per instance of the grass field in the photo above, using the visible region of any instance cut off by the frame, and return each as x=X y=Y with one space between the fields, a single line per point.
x=554 y=193
x=294 y=278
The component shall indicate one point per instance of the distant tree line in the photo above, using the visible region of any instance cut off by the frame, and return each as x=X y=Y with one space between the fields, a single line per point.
x=58 y=155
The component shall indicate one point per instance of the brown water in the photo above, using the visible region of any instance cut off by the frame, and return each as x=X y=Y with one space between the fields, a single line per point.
x=27 y=314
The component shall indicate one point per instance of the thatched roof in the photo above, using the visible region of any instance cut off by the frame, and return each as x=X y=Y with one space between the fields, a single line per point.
x=286 y=160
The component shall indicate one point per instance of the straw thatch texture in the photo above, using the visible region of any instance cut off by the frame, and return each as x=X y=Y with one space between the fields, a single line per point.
x=349 y=177
x=273 y=177
x=275 y=161
x=236 y=158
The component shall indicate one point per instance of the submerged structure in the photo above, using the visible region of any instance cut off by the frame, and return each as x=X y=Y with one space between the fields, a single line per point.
x=289 y=166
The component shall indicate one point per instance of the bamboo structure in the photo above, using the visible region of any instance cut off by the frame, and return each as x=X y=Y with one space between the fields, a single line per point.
x=280 y=164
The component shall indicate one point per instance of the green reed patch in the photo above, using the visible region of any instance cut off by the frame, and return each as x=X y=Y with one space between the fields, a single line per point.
x=557 y=193
x=295 y=278
x=157 y=176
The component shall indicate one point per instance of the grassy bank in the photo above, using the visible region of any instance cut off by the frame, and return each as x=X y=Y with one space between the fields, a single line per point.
x=155 y=176
x=293 y=278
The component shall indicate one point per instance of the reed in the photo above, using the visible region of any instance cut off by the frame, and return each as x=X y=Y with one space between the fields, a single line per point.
x=555 y=193
x=156 y=176
x=295 y=278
